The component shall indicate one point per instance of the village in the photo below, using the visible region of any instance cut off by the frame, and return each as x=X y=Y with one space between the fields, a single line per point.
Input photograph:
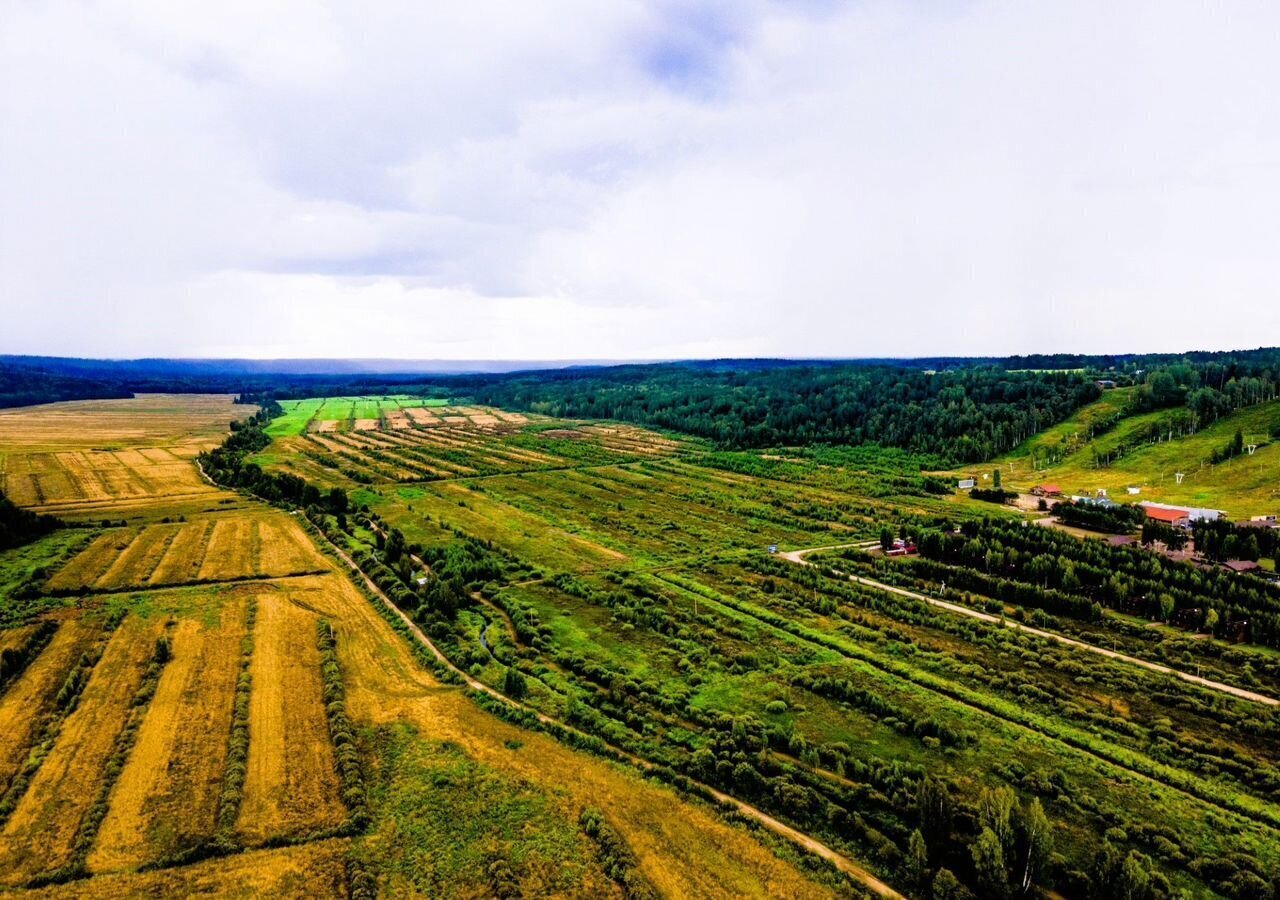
x=1167 y=529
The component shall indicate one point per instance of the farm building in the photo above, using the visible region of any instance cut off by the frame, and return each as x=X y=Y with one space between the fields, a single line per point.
x=1122 y=540
x=1105 y=383
x=1241 y=565
x=1178 y=518
x=1192 y=513
x=967 y=484
x=901 y=548
x=1046 y=490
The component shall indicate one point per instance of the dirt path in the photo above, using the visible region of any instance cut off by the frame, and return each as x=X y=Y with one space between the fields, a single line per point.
x=841 y=862
x=798 y=556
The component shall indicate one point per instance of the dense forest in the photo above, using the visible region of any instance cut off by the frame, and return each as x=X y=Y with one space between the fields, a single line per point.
x=27 y=387
x=963 y=415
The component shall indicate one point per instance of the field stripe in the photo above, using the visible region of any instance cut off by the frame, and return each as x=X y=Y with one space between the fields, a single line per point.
x=167 y=796
x=40 y=834
x=292 y=785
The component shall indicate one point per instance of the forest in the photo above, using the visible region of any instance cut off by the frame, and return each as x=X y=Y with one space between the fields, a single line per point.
x=963 y=415
x=20 y=386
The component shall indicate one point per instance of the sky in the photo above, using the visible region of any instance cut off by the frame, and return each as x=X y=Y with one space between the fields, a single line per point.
x=608 y=179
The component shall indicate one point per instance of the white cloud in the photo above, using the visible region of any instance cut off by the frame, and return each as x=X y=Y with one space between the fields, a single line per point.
x=575 y=179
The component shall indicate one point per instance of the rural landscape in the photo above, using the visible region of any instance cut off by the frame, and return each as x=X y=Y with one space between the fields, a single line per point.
x=926 y=629
x=640 y=450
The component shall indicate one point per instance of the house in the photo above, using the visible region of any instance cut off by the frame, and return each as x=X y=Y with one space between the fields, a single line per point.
x=1046 y=490
x=968 y=484
x=901 y=548
x=1240 y=566
x=1105 y=384
x=1176 y=518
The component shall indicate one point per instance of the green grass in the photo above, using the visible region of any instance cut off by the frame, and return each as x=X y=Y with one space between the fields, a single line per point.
x=30 y=565
x=441 y=820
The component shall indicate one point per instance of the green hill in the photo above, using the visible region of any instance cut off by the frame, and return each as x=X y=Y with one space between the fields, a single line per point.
x=1068 y=455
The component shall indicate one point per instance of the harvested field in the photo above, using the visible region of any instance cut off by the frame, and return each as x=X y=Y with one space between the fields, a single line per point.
x=148 y=420
x=289 y=873
x=366 y=424
x=89 y=564
x=292 y=786
x=222 y=549
x=285 y=549
x=135 y=565
x=30 y=697
x=14 y=638
x=167 y=796
x=40 y=835
x=184 y=556
x=232 y=550
x=90 y=458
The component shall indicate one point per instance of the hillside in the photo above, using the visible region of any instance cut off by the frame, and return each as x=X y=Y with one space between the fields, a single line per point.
x=1066 y=455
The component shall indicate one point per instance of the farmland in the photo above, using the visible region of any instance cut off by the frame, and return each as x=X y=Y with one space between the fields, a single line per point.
x=222 y=681
x=635 y=601
x=113 y=459
x=175 y=704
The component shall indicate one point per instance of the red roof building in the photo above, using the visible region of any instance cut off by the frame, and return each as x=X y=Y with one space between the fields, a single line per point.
x=1179 y=518
x=1047 y=490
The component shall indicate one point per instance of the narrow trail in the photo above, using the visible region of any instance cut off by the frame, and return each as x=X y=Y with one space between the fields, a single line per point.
x=798 y=556
x=812 y=845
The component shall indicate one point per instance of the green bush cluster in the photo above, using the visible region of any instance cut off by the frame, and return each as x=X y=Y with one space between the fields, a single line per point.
x=345 y=752
x=237 y=765
x=616 y=858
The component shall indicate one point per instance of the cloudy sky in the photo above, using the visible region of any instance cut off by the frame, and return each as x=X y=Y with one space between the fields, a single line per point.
x=550 y=179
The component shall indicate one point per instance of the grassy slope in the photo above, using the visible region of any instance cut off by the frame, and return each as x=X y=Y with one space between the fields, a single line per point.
x=1244 y=486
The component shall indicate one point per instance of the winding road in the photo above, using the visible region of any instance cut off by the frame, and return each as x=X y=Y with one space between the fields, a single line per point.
x=798 y=556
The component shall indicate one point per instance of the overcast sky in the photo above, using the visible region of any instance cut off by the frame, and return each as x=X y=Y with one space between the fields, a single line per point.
x=607 y=179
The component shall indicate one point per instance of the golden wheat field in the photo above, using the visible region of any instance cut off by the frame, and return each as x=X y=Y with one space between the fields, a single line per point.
x=223 y=548
x=113 y=458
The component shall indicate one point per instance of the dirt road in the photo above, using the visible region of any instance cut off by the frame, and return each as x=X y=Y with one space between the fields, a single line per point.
x=798 y=556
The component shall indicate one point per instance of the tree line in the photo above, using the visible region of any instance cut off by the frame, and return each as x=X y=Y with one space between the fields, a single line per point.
x=965 y=414
x=19 y=526
x=1045 y=569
